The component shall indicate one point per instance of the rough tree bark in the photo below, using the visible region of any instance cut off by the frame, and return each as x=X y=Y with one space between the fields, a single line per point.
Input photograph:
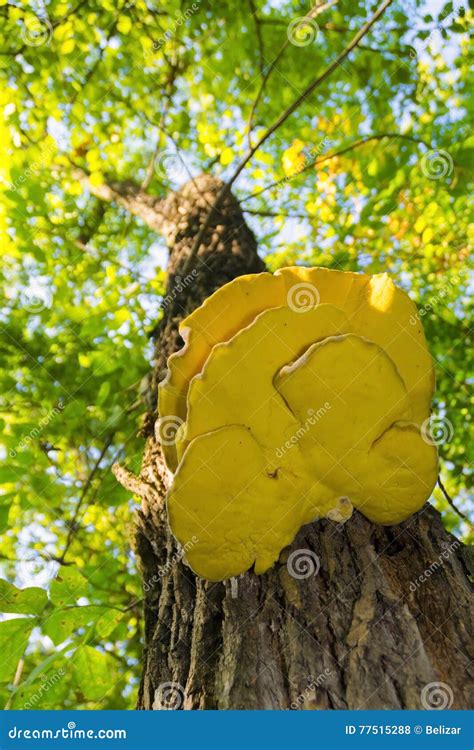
x=363 y=632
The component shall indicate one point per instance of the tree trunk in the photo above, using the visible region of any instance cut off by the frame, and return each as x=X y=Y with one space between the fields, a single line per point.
x=360 y=629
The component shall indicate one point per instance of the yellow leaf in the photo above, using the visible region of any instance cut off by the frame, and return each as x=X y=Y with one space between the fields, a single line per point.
x=121 y=316
x=84 y=360
x=124 y=24
x=96 y=179
x=427 y=234
x=293 y=160
x=75 y=188
x=227 y=156
x=420 y=224
x=146 y=42
x=67 y=46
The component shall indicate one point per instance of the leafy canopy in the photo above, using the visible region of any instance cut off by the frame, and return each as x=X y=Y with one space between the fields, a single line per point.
x=156 y=92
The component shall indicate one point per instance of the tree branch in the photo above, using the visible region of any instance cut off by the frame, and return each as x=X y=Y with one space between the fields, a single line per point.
x=258 y=31
x=85 y=489
x=350 y=147
x=283 y=117
x=128 y=195
x=317 y=10
x=134 y=484
x=451 y=502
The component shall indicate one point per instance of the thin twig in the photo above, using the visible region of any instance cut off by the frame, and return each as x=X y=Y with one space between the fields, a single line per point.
x=451 y=501
x=16 y=680
x=85 y=489
x=271 y=129
x=350 y=147
x=276 y=213
x=133 y=483
x=258 y=31
x=312 y=14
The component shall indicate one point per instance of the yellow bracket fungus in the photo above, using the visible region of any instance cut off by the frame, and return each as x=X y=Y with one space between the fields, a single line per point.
x=300 y=395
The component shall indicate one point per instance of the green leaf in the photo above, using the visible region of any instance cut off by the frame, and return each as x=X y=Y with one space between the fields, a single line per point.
x=29 y=601
x=68 y=586
x=45 y=687
x=14 y=635
x=5 y=505
x=61 y=623
x=92 y=671
x=106 y=624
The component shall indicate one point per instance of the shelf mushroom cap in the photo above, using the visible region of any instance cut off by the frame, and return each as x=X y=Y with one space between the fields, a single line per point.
x=376 y=308
x=302 y=410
